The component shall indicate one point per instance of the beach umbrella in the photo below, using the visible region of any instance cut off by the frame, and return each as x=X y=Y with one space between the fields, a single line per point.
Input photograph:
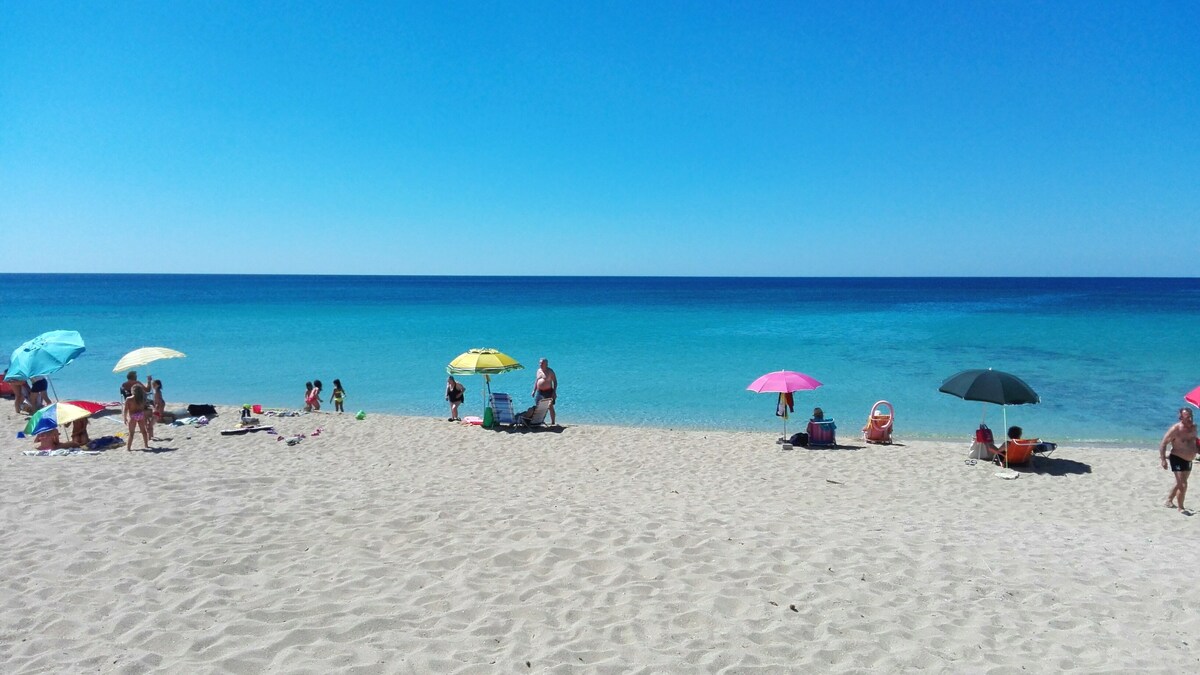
x=140 y=357
x=1193 y=397
x=486 y=362
x=45 y=354
x=991 y=386
x=63 y=412
x=783 y=382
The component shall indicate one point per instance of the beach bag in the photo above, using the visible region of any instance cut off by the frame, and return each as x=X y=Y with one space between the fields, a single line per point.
x=800 y=438
x=983 y=435
x=201 y=410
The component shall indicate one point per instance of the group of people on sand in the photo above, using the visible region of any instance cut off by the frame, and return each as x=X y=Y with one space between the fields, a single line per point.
x=312 y=396
x=143 y=406
x=28 y=396
x=545 y=387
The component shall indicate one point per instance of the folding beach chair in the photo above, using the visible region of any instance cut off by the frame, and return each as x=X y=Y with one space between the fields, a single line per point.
x=879 y=423
x=502 y=409
x=535 y=416
x=1044 y=448
x=821 y=434
x=1016 y=451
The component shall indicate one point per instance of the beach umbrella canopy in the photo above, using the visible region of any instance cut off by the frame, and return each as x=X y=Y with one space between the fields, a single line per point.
x=486 y=362
x=482 y=362
x=1193 y=397
x=783 y=382
x=45 y=354
x=990 y=386
x=63 y=412
x=140 y=357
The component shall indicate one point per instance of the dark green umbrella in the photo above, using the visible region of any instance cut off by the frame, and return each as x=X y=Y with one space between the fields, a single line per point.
x=991 y=386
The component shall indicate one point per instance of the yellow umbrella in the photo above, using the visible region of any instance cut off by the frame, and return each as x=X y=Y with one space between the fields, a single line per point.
x=140 y=357
x=482 y=362
x=486 y=362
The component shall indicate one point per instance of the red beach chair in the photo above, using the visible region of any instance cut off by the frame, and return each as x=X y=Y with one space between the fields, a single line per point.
x=879 y=423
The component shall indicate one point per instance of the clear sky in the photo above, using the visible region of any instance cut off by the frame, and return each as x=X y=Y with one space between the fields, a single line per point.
x=644 y=138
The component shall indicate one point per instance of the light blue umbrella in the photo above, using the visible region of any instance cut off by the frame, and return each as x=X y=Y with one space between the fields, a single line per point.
x=45 y=354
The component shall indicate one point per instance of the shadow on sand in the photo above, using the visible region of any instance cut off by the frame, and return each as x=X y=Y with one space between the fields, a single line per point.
x=1056 y=466
x=539 y=429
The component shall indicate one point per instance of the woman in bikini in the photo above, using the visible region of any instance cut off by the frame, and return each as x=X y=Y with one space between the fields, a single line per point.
x=135 y=413
x=454 y=394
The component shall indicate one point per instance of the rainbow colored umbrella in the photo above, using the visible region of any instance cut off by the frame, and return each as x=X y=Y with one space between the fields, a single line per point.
x=63 y=412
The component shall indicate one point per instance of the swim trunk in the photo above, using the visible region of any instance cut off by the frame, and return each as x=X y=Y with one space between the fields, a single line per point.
x=544 y=393
x=39 y=385
x=1178 y=463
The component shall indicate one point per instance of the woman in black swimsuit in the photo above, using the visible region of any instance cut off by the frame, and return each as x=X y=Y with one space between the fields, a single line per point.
x=454 y=394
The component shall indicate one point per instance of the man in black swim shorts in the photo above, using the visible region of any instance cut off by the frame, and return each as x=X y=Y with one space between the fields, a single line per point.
x=1182 y=439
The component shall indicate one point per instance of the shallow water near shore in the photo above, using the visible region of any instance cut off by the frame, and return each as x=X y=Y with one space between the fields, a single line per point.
x=1110 y=358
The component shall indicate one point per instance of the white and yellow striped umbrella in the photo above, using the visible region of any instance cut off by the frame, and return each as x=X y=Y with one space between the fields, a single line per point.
x=140 y=357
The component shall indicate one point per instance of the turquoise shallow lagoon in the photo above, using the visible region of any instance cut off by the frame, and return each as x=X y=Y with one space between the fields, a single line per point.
x=1111 y=358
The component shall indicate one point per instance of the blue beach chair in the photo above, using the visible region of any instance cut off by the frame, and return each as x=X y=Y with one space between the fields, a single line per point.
x=502 y=408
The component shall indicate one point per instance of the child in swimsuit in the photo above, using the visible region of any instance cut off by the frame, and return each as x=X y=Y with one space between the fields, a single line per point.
x=135 y=413
x=339 y=395
x=316 y=395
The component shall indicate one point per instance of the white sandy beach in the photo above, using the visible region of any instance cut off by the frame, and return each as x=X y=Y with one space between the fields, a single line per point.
x=412 y=545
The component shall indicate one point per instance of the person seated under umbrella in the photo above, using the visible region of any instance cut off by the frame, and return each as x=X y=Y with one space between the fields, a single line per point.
x=1013 y=434
x=50 y=440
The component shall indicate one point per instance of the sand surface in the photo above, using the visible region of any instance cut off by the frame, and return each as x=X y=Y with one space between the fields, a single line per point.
x=410 y=545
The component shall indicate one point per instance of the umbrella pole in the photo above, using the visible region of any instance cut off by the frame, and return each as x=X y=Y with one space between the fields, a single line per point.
x=1004 y=412
x=51 y=383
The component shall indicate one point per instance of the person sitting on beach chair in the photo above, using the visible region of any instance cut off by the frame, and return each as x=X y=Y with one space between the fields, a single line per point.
x=821 y=430
x=1017 y=450
x=535 y=415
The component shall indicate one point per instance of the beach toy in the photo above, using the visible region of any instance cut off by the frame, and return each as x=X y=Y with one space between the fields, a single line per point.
x=360 y=415
x=257 y=408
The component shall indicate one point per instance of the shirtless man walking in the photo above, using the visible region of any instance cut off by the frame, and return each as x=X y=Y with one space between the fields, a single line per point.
x=1182 y=438
x=546 y=386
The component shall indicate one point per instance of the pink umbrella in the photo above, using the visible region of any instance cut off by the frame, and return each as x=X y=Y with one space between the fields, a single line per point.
x=1193 y=397
x=783 y=382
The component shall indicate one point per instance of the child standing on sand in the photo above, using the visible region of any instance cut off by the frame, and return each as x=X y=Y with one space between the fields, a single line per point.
x=315 y=394
x=339 y=395
x=308 y=397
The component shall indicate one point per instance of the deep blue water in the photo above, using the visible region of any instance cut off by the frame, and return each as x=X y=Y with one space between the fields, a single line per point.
x=1111 y=358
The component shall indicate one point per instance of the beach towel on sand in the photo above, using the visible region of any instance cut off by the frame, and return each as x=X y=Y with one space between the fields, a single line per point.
x=244 y=430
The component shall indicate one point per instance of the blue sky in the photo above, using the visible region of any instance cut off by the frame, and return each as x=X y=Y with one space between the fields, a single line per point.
x=779 y=139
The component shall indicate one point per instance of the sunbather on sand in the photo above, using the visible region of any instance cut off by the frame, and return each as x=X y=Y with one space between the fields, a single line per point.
x=79 y=433
x=51 y=440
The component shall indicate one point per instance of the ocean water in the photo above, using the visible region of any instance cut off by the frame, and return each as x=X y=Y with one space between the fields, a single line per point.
x=1111 y=358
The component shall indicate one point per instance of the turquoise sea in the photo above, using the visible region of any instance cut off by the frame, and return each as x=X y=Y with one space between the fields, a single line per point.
x=1111 y=358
